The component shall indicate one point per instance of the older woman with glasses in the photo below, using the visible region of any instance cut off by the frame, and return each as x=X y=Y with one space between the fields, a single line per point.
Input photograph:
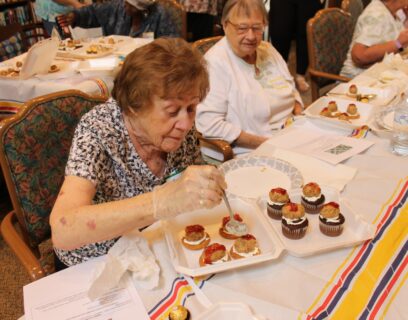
x=252 y=94
x=123 y=151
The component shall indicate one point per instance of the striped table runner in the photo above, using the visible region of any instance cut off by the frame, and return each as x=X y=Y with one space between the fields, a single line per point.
x=367 y=282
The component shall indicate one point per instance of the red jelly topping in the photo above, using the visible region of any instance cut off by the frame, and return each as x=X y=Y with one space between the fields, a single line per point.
x=194 y=228
x=279 y=190
x=332 y=204
x=325 y=109
x=332 y=102
x=248 y=237
x=292 y=207
x=210 y=250
x=313 y=184
x=226 y=219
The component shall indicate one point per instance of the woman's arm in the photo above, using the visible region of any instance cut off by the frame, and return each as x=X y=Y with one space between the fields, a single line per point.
x=75 y=221
x=364 y=56
x=248 y=140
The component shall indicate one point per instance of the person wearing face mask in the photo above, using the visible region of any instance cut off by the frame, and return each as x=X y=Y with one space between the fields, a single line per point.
x=379 y=30
x=123 y=150
x=252 y=94
x=135 y=18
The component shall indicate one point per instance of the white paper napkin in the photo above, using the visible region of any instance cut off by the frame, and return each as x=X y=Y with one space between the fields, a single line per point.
x=130 y=253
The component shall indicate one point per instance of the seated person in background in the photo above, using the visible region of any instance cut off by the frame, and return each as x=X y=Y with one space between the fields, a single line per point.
x=378 y=31
x=124 y=149
x=252 y=93
x=135 y=18
x=47 y=10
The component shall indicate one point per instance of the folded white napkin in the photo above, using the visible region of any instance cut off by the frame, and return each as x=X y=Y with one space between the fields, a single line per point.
x=130 y=253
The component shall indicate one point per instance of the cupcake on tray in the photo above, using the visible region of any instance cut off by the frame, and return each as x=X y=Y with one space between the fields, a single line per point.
x=278 y=197
x=244 y=247
x=213 y=254
x=294 y=221
x=331 y=221
x=312 y=197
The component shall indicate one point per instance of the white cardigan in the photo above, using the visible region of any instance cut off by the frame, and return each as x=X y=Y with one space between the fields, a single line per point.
x=241 y=101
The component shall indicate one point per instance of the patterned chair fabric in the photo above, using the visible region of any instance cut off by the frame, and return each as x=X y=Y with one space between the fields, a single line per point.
x=11 y=47
x=330 y=33
x=178 y=15
x=36 y=148
x=354 y=7
x=204 y=45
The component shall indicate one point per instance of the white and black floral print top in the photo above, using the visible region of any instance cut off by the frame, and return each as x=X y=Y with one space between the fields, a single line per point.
x=103 y=153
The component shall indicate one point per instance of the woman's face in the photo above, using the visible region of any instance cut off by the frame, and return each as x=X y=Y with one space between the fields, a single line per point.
x=166 y=123
x=244 y=34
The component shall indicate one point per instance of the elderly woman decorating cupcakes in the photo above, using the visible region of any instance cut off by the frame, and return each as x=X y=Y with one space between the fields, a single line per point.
x=124 y=149
x=252 y=94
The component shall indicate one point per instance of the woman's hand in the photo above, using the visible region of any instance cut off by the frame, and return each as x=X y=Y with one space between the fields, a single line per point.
x=66 y=20
x=198 y=187
x=403 y=37
x=297 y=108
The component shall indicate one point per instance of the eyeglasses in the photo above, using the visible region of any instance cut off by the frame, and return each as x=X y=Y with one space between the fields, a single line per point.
x=244 y=28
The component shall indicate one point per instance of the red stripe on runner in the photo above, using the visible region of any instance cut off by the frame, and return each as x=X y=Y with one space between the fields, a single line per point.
x=170 y=300
x=355 y=260
x=388 y=288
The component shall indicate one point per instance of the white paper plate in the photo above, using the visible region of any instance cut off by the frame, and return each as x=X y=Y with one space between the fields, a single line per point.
x=383 y=98
x=253 y=176
x=385 y=118
x=187 y=261
x=227 y=311
x=366 y=111
x=355 y=231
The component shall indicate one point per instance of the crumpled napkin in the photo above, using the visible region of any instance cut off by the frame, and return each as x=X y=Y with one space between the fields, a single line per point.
x=130 y=253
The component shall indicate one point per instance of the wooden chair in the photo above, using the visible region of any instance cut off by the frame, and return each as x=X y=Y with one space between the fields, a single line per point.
x=34 y=149
x=354 y=7
x=178 y=14
x=12 y=41
x=329 y=34
x=219 y=145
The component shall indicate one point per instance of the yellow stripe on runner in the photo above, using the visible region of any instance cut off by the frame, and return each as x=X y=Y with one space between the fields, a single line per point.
x=354 y=302
x=394 y=295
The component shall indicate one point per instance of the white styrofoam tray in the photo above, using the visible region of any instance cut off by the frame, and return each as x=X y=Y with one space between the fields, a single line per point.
x=355 y=231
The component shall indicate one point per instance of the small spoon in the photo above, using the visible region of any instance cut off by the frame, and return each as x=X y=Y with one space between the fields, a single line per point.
x=234 y=226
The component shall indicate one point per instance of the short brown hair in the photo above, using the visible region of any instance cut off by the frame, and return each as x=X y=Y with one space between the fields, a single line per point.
x=245 y=7
x=166 y=67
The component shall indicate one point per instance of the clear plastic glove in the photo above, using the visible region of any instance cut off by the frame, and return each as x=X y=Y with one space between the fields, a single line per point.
x=198 y=187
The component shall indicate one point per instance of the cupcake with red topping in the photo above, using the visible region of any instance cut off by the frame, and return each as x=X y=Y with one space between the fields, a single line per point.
x=233 y=234
x=244 y=247
x=331 y=221
x=278 y=197
x=312 y=197
x=294 y=221
x=213 y=254
x=195 y=237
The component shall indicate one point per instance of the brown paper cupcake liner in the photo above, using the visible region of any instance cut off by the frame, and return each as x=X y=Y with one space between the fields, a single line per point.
x=293 y=233
x=331 y=230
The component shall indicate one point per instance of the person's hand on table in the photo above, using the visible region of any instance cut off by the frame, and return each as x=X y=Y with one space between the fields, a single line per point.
x=297 y=109
x=198 y=187
x=403 y=38
x=65 y=20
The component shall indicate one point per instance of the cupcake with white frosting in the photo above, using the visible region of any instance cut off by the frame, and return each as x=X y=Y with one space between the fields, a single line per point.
x=312 y=197
x=294 y=221
x=331 y=221
x=278 y=197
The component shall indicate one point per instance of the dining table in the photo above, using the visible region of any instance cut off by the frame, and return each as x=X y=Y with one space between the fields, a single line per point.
x=92 y=75
x=363 y=280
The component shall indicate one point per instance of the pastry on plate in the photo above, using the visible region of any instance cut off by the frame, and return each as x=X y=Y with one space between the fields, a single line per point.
x=233 y=234
x=244 y=247
x=294 y=221
x=344 y=116
x=331 y=221
x=353 y=89
x=213 y=254
x=332 y=106
x=278 y=197
x=312 y=197
x=352 y=111
x=195 y=237
x=179 y=313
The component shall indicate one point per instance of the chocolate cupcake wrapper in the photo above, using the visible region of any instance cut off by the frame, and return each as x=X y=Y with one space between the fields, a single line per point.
x=312 y=208
x=274 y=213
x=293 y=233
x=331 y=230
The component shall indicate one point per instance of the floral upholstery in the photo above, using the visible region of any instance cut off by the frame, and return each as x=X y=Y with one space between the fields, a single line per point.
x=204 y=45
x=36 y=148
x=11 y=47
x=354 y=7
x=332 y=31
x=177 y=14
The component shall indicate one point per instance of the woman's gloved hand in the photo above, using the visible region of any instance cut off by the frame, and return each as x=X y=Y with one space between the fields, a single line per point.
x=198 y=187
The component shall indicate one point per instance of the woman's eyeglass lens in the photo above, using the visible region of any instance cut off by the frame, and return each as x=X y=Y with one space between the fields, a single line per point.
x=244 y=28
